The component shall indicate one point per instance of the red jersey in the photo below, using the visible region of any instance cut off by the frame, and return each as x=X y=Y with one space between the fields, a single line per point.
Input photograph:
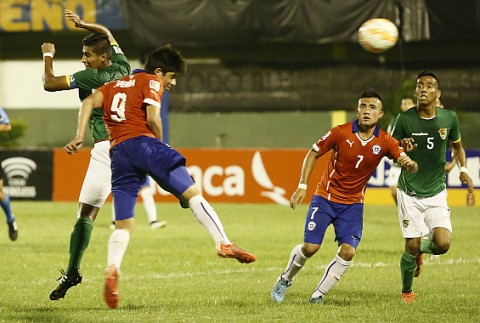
x=353 y=161
x=125 y=102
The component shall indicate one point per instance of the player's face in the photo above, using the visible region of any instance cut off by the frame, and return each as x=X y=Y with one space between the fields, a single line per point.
x=169 y=80
x=427 y=90
x=369 y=111
x=90 y=59
x=406 y=104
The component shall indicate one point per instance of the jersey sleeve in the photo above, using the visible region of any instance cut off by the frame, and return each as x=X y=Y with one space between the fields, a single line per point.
x=117 y=54
x=394 y=148
x=86 y=79
x=327 y=142
x=455 y=135
x=398 y=130
x=152 y=92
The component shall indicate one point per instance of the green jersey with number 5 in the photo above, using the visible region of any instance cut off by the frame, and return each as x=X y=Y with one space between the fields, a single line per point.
x=432 y=137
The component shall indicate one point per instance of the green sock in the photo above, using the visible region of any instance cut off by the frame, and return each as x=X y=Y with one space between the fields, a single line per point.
x=427 y=246
x=79 y=239
x=408 y=265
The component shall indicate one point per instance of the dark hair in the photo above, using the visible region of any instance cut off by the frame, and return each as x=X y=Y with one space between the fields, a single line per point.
x=99 y=43
x=428 y=73
x=167 y=58
x=370 y=93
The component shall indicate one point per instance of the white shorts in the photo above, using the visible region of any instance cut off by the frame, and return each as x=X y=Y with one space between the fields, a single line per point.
x=98 y=179
x=418 y=216
x=393 y=175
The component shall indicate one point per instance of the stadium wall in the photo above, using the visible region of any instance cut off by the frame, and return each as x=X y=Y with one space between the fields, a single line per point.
x=223 y=175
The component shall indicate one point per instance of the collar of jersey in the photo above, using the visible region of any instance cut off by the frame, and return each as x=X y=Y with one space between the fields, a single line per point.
x=138 y=70
x=355 y=128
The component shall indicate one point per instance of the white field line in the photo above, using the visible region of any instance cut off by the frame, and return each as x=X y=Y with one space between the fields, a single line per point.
x=252 y=269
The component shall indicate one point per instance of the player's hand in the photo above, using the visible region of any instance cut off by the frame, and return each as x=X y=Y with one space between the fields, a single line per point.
x=74 y=145
x=406 y=163
x=72 y=16
x=48 y=48
x=408 y=144
x=465 y=179
x=470 y=199
x=297 y=198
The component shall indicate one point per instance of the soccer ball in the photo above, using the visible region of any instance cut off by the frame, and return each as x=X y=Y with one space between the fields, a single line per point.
x=378 y=35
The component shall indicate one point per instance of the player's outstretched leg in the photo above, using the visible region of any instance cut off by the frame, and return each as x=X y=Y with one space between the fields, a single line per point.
x=207 y=216
x=296 y=261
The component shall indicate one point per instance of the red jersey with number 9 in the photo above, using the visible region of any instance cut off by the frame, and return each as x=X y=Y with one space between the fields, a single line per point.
x=353 y=161
x=125 y=102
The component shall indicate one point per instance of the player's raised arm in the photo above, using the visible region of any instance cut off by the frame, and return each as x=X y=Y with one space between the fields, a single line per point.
x=90 y=26
x=51 y=82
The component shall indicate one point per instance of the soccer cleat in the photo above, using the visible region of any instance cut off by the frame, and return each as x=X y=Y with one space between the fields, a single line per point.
x=157 y=224
x=316 y=300
x=65 y=281
x=110 y=290
x=279 y=290
x=12 y=230
x=418 y=270
x=233 y=251
x=408 y=297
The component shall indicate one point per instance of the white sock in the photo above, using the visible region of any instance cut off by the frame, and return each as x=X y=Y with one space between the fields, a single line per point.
x=295 y=263
x=117 y=245
x=333 y=273
x=207 y=216
x=149 y=204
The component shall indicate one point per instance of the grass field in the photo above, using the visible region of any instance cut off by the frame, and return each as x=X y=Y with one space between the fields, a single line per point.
x=173 y=274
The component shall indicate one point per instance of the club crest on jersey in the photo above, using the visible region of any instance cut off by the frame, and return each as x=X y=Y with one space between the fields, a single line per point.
x=311 y=225
x=443 y=133
x=376 y=149
x=155 y=85
x=325 y=136
x=405 y=223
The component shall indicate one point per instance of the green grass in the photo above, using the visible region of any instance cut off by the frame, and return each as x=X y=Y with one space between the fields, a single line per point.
x=173 y=274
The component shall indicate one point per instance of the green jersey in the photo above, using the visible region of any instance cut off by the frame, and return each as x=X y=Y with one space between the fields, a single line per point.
x=88 y=80
x=432 y=137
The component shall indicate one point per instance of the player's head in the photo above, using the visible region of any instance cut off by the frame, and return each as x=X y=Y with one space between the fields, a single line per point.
x=407 y=103
x=96 y=51
x=427 y=90
x=370 y=108
x=166 y=62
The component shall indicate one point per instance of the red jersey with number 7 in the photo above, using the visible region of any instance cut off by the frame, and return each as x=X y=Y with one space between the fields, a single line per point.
x=353 y=161
x=125 y=102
